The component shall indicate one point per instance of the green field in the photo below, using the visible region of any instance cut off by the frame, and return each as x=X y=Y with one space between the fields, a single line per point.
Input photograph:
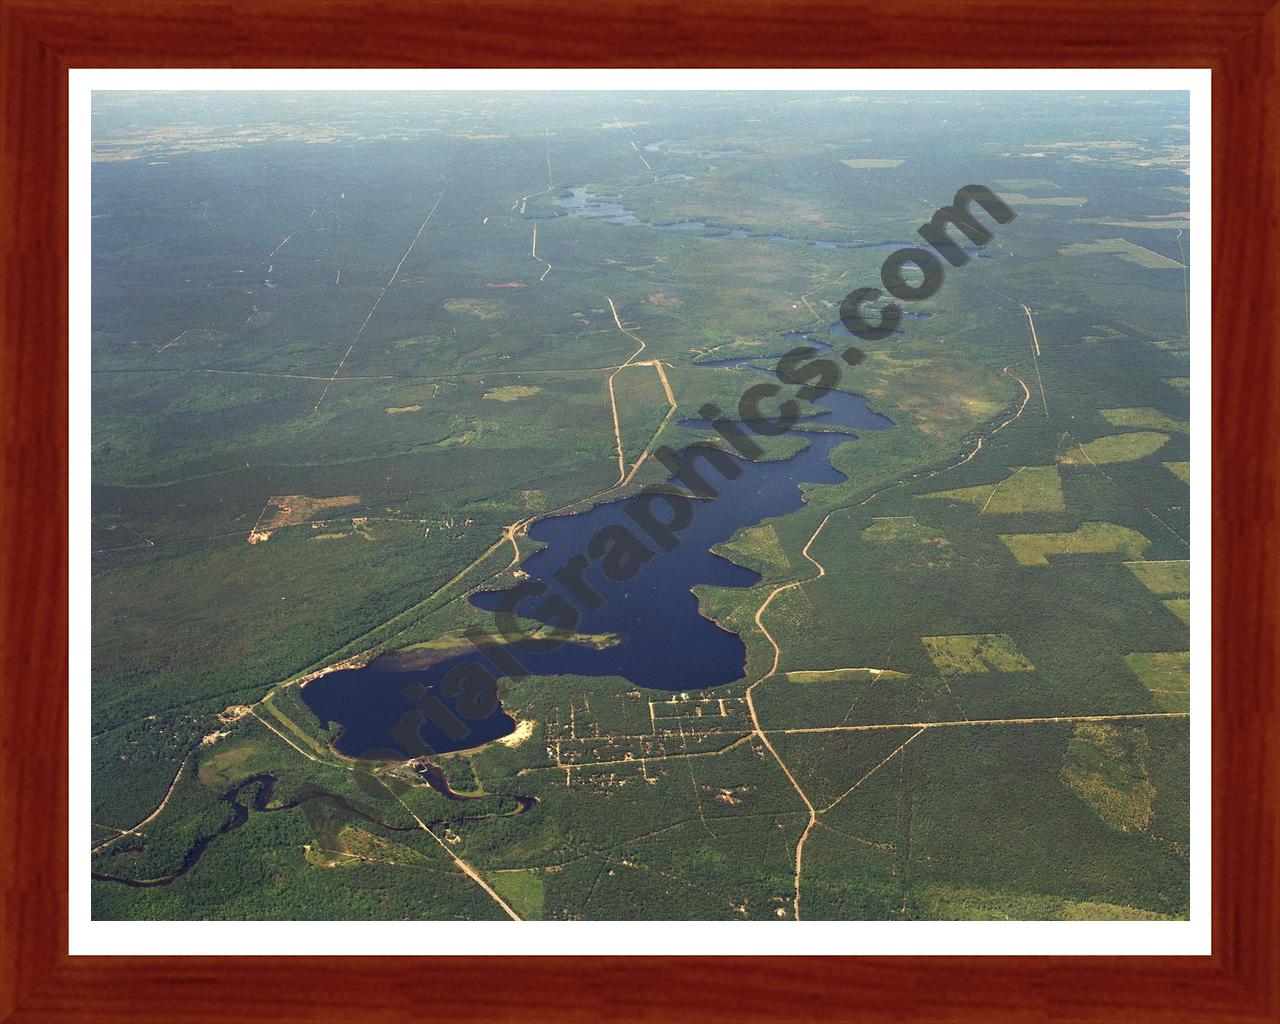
x=1028 y=489
x=1167 y=675
x=1088 y=539
x=1115 y=448
x=1124 y=249
x=1169 y=577
x=966 y=654
x=1147 y=419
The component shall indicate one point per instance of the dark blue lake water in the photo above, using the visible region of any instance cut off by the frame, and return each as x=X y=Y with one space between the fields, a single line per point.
x=666 y=643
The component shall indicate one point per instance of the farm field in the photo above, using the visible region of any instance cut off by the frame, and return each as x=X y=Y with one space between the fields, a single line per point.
x=358 y=360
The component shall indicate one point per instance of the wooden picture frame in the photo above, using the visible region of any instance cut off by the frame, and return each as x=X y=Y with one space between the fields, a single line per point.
x=42 y=39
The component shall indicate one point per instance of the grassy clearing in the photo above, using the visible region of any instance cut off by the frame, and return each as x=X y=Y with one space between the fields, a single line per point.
x=299 y=734
x=368 y=847
x=1124 y=249
x=845 y=675
x=426 y=339
x=1115 y=448
x=1181 y=607
x=478 y=308
x=1016 y=199
x=1106 y=766
x=642 y=407
x=981 y=652
x=1169 y=223
x=1028 y=489
x=1106 y=333
x=524 y=889
x=758 y=548
x=227 y=766
x=395 y=410
x=1145 y=418
x=1167 y=674
x=1163 y=577
x=872 y=163
x=914 y=544
x=1182 y=470
x=1089 y=539
x=512 y=392
x=888 y=364
x=959 y=903
x=905 y=529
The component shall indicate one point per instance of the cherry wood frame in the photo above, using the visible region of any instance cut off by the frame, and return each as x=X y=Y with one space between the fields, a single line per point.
x=41 y=39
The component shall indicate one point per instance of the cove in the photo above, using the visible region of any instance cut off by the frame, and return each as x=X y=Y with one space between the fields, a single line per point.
x=665 y=642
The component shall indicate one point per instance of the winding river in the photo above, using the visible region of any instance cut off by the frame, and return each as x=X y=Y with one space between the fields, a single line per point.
x=259 y=789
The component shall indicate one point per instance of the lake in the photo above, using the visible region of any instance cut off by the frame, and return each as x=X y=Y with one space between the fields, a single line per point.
x=666 y=643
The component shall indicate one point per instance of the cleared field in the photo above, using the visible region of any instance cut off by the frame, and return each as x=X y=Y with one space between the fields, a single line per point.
x=642 y=410
x=1089 y=539
x=911 y=542
x=524 y=889
x=360 y=845
x=298 y=733
x=1163 y=577
x=1028 y=489
x=845 y=675
x=227 y=766
x=1167 y=674
x=893 y=529
x=1167 y=223
x=981 y=652
x=1106 y=766
x=956 y=903
x=1115 y=448
x=872 y=163
x=1181 y=607
x=512 y=392
x=1021 y=183
x=1125 y=249
x=1016 y=199
x=292 y=509
x=480 y=308
x=1146 y=418
x=759 y=548
x=1182 y=470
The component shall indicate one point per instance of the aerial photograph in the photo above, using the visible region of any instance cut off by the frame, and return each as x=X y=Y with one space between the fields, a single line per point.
x=615 y=506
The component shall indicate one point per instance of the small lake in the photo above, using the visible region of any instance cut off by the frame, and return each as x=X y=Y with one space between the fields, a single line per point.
x=581 y=202
x=666 y=643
